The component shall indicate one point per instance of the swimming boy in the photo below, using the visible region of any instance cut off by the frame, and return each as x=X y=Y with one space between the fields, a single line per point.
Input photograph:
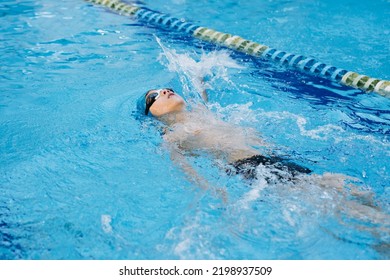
x=198 y=130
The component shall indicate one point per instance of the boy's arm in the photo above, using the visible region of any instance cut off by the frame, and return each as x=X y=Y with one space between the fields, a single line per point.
x=181 y=161
x=204 y=92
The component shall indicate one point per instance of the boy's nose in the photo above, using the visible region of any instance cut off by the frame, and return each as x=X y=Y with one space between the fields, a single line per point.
x=166 y=91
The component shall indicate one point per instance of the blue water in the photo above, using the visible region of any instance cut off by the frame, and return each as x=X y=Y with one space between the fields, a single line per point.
x=83 y=177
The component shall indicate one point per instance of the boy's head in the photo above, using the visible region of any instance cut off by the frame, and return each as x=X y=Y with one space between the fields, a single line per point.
x=161 y=101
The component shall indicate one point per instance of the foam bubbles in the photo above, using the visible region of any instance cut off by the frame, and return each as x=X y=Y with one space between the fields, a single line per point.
x=106 y=223
x=253 y=194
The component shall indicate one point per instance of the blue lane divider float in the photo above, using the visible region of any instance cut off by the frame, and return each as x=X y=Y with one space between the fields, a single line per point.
x=305 y=64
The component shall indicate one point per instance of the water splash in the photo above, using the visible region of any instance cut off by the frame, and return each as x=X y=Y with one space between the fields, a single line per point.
x=194 y=69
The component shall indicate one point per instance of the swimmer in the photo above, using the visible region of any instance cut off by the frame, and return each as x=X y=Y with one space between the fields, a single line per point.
x=197 y=131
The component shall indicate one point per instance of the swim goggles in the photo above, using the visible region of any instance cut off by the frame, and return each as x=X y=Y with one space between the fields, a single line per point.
x=152 y=97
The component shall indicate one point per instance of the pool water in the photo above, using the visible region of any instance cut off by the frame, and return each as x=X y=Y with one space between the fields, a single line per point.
x=84 y=176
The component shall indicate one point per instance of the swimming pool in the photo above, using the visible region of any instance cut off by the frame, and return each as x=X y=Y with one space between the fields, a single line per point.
x=83 y=177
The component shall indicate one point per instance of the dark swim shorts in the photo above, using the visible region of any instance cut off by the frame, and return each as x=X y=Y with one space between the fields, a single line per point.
x=278 y=166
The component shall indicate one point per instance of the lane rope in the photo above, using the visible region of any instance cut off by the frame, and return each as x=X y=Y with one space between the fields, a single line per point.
x=234 y=42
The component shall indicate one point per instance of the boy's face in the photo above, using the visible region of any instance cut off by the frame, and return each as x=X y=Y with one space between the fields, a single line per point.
x=164 y=101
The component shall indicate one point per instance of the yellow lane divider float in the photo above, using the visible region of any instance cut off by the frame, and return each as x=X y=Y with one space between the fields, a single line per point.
x=306 y=64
